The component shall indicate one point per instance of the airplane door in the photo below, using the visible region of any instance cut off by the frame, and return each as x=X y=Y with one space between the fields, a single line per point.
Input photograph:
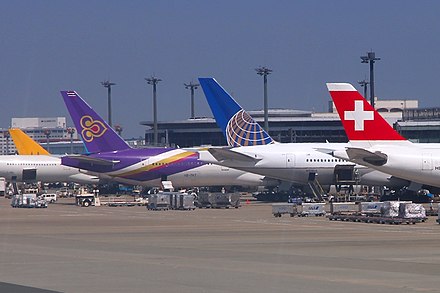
x=290 y=160
x=29 y=175
x=426 y=162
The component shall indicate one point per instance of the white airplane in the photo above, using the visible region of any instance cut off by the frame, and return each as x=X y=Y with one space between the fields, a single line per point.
x=374 y=143
x=34 y=163
x=253 y=150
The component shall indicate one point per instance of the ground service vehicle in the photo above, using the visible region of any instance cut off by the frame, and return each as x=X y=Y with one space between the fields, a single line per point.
x=49 y=197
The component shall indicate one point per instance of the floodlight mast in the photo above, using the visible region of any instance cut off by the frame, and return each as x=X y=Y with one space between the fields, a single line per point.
x=364 y=83
x=192 y=86
x=370 y=58
x=107 y=84
x=154 y=81
x=71 y=132
x=47 y=132
x=264 y=71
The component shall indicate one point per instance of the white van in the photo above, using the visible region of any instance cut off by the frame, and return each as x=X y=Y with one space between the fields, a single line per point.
x=49 y=197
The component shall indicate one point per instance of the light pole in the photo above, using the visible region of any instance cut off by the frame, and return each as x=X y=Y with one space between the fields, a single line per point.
x=264 y=71
x=47 y=132
x=364 y=83
x=71 y=131
x=192 y=86
x=108 y=85
x=153 y=81
x=370 y=58
x=118 y=129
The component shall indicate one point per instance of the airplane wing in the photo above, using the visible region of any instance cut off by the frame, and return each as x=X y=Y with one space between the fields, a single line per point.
x=362 y=155
x=226 y=154
x=91 y=160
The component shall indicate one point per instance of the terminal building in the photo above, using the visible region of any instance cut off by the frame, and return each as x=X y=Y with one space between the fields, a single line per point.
x=416 y=124
x=285 y=126
x=52 y=133
x=420 y=125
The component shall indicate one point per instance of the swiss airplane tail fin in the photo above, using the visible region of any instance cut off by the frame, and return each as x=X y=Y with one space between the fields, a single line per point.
x=96 y=134
x=238 y=127
x=362 y=123
x=26 y=145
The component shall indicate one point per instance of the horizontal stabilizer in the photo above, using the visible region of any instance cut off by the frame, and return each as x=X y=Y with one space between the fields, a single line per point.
x=362 y=155
x=91 y=160
x=226 y=154
x=325 y=151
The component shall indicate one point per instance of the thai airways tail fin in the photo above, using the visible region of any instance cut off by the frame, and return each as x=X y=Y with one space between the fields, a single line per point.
x=362 y=123
x=26 y=145
x=238 y=127
x=96 y=134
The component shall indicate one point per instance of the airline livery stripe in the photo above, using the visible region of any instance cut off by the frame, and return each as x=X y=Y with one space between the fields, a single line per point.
x=159 y=164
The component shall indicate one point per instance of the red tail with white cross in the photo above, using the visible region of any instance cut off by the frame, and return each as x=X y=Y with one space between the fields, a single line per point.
x=361 y=122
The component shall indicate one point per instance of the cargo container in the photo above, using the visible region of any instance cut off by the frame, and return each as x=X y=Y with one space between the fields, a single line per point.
x=311 y=209
x=218 y=200
x=159 y=201
x=374 y=207
x=185 y=202
x=438 y=213
x=391 y=208
x=279 y=209
x=391 y=212
x=2 y=186
x=343 y=207
x=28 y=200
x=235 y=200
x=412 y=211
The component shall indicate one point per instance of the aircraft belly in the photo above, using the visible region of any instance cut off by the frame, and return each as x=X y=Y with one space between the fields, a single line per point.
x=296 y=175
x=428 y=177
x=53 y=174
x=412 y=168
x=212 y=175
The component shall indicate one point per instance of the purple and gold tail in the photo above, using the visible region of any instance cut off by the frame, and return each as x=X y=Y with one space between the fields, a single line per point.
x=96 y=134
x=238 y=127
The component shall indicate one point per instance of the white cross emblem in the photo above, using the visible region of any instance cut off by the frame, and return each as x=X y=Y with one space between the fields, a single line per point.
x=359 y=115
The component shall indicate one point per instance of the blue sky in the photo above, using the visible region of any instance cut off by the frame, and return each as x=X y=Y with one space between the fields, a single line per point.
x=48 y=46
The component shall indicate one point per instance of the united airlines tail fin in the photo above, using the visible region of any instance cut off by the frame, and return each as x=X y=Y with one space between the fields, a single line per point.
x=26 y=145
x=362 y=123
x=238 y=127
x=96 y=134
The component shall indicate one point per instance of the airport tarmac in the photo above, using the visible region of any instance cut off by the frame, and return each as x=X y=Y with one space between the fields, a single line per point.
x=66 y=248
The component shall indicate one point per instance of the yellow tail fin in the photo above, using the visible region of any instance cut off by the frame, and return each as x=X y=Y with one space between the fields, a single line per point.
x=26 y=145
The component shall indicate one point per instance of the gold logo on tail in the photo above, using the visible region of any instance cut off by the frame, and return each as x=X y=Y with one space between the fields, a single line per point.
x=91 y=128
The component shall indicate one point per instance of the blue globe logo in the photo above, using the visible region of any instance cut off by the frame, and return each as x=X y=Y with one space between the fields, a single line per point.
x=242 y=130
